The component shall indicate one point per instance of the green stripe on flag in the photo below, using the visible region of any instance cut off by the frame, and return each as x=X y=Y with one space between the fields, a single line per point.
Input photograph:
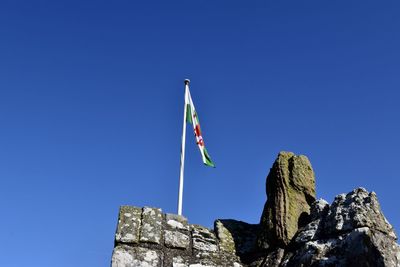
x=188 y=114
x=208 y=161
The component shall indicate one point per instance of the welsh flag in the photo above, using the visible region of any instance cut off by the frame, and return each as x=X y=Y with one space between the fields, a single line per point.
x=192 y=117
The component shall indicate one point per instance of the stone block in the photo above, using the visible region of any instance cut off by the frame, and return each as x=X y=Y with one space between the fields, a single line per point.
x=128 y=225
x=126 y=256
x=175 y=239
x=203 y=239
x=174 y=221
x=151 y=230
x=179 y=261
x=205 y=258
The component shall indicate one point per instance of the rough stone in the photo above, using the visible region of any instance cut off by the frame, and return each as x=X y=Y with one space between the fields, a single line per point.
x=351 y=232
x=225 y=236
x=237 y=237
x=175 y=239
x=175 y=221
x=128 y=225
x=309 y=232
x=203 y=239
x=205 y=258
x=359 y=208
x=272 y=258
x=318 y=209
x=360 y=247
x=290 y=192
x=180 y=261
x=151 y=230
x=126 y=256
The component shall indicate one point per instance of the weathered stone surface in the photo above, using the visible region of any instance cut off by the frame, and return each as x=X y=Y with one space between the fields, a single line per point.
x=180 y=261
x=225 y=236
x=126 y=256
x=205 y=258
x=128 y=224
x=318 y=209
x=358 y=208
x=351 y=232
x=203 y=239
x=175 y=239
x=360 y=247
x=272 y=258
x=290 y=192
x=313 y=229
x=237 y=237
x=151 y=230
x=174 y=221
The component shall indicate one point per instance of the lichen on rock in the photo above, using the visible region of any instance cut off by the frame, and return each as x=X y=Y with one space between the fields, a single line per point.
x=126 y=256
x=237 y=237
x=175 y=239
x=351 y=232
x=151 y=229
x=203 y=239
x=290 y=190
x=129 y=220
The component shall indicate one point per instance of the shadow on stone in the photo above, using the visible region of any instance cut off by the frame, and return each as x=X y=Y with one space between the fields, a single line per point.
x=238 y=238
x=304 y=219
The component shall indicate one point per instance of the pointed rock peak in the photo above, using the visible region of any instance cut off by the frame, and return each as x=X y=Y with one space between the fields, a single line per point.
x=290 y=190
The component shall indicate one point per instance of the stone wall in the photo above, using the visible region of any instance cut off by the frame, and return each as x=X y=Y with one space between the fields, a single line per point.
x=148 y=237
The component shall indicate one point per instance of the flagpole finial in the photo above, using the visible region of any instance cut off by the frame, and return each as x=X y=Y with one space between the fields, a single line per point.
x=187 y=81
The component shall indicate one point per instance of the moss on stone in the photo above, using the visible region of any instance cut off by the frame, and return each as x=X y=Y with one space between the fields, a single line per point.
x=290 y=190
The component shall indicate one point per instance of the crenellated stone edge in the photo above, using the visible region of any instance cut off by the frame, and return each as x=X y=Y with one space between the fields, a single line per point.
x=148 y=237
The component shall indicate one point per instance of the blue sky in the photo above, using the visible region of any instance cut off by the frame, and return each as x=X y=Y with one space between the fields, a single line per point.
x=91 y=102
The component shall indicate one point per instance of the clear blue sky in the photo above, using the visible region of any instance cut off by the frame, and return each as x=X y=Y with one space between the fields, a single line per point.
x=91 y=102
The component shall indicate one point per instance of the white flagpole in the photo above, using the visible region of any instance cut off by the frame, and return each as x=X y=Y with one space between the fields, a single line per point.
x=180 y=196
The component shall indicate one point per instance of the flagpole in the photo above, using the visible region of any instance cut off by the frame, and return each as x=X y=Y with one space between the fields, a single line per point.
x=180 y=196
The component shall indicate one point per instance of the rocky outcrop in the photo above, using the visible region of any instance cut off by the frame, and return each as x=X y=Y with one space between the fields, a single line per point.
x=295 y=230
x=350 y=232
x=290 y=192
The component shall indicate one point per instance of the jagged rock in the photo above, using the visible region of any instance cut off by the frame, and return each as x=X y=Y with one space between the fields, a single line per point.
x=351 y=232
x=290 y=192
x=126 y=256
x=318 y=210
x=128 y=224
x=360 y=247
x=151 y=230
x=203 y=239
x=358 y=208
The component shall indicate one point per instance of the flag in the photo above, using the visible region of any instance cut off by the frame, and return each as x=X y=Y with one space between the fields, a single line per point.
x=193 y=118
